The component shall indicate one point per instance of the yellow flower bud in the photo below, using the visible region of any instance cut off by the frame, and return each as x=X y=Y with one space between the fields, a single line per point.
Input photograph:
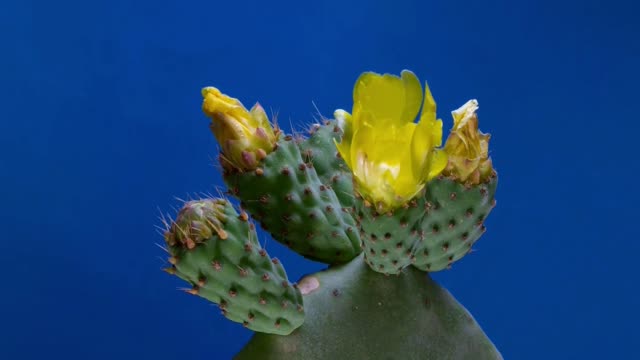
x=467 y=147
x=245 y=137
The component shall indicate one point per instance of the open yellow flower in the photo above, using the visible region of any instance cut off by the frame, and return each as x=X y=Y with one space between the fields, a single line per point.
x=245 y=136
x=467 y=147
x=391 y=156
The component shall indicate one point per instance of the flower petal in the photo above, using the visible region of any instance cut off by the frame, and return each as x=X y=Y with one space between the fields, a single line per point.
x=428 y=135
x=391 y=100
x=429 y=106
x=345 y=122
x=381 y=165
x=438 y=160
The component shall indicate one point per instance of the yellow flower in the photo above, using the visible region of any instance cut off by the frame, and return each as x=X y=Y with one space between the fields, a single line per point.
x=391 y=156
x=467 y=147
x=245 y=137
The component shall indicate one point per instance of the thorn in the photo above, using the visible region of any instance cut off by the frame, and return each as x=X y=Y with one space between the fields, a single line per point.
x=192 y=291
x=243 y=272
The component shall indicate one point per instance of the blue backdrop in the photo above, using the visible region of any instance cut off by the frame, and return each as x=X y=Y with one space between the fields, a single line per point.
x=100 y=128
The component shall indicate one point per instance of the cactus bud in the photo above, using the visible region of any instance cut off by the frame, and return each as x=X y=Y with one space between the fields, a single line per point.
x=468 y=148
x=197 y=222
x=245 y=136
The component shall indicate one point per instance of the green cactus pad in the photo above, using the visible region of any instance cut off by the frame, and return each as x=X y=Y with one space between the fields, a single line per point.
x=296 y=207
x=320 y=149
x=216 y=250
x=388 y=240
x=454 y=221
x=357 y=314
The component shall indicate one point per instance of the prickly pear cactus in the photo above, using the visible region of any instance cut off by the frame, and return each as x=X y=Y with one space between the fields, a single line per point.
x=373 y=194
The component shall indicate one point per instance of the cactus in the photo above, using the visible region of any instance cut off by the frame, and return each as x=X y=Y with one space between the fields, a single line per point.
x=371 y=193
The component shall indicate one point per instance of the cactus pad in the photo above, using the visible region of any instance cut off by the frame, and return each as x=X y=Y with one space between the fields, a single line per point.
x=388 y=239
x=320 y=150
x=357 y=314
x=453 y=222
x=215 y=249
x=292 y=203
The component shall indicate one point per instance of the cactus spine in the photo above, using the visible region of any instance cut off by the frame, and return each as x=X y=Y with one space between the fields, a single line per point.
x=342 y=197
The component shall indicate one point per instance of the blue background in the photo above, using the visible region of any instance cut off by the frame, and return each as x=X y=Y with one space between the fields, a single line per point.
x=100 y=128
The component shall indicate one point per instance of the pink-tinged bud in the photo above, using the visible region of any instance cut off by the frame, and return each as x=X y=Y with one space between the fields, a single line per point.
x=197 y=222
x=244 y=136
